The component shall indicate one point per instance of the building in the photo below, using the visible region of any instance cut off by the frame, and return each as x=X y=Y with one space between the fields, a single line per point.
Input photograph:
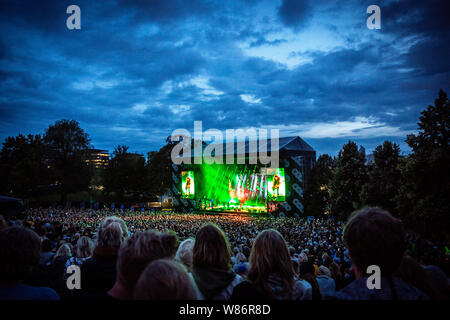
x=252 y=188
x=97 y=158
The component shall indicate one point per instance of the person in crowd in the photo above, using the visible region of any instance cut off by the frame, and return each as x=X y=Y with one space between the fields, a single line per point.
x=271 y=274
x=135 y=254
x=374 y=237
x=238 y=257
x=19 y=255
x=3 y=223
x=185 y=252
x=212 y=270
x=99 y=271
x=439 y=281
x=84 y=249
x=326 y=260
x=307 y=273
x=414 y=274
x=165 y=279
x=46 y=252
x=56 y=268
x=336 y=274
x=326 y=283
x=242 y=269
x=302 y=258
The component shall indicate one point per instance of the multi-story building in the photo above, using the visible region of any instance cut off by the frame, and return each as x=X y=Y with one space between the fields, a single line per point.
x=97 y=158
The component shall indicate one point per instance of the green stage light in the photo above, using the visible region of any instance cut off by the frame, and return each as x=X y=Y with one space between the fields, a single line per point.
x=235 y=187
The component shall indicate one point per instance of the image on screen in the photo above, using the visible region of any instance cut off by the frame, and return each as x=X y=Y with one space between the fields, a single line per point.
x=188 y=184
x=276 y=186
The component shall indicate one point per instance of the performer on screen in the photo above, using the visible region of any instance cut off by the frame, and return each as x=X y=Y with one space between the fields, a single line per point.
x=188 y=185
x=276 y=185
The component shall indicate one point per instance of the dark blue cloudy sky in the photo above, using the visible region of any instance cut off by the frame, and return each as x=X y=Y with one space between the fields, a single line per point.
x=137 y=70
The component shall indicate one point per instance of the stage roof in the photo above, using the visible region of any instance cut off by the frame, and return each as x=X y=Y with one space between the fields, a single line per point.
x=285 y=143
x=293 y=144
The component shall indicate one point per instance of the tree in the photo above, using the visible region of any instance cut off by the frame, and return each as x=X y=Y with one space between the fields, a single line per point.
x=423 y=201
x=348 y=178
x=24 y=166
x=159 y=164
x=125 y=174
x=317 y=193
x=384 y=177
x=67 y=145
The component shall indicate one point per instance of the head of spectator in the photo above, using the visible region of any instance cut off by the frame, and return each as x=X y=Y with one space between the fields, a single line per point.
x=270 y=257
x=46 y=246
x=19 y=254
x=211 y=263
x=165 y=279
x=85 y=247
x=374 y=237
x=135 y=254
x=335 y=271
x=324 y=271
x=413 y=273
x=2 y=222
x=111 y=233
x=211 y=248
x=242 y=269
x=295 y=265
x=302 y=258
x=439 y=280
x=185 y=252
x=326 y=259
x=63 y=251
x=291 y=251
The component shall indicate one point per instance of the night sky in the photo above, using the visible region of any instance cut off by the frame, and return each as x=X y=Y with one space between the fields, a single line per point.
x=137 y=70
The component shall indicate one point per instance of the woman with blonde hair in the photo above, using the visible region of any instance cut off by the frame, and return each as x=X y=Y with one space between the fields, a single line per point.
x=212 y=270
x=84 y=249
x=185 y=252
x=271 y=275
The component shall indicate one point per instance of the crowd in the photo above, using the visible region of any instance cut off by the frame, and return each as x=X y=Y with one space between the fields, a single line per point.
x=135 y=255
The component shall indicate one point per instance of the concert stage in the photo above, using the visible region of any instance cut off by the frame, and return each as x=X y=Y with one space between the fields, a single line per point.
x=246 y=188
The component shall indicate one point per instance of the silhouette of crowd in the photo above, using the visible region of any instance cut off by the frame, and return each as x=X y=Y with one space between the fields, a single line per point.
x=133 y=255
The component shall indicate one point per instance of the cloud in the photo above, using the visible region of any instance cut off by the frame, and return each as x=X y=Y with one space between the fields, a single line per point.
x=140 y=108
x=250 y=98
x=360 y=127
x=146 y=68
x=179 y=108
x=294 y=13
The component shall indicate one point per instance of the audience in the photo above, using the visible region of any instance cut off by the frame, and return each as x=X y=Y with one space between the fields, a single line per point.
x=136 y=255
